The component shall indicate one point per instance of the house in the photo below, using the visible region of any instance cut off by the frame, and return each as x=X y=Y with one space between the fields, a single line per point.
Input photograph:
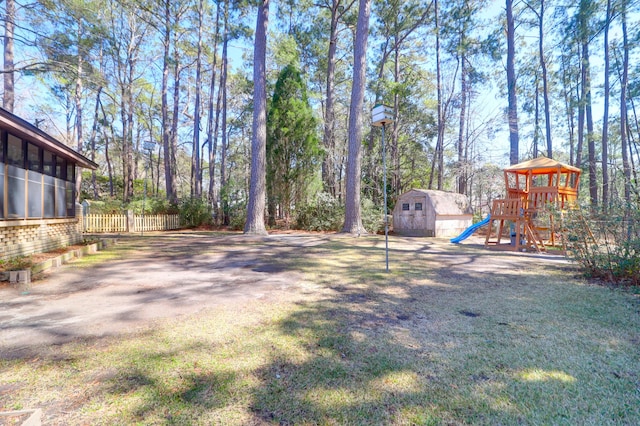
x=431 y=213
x=37 y=189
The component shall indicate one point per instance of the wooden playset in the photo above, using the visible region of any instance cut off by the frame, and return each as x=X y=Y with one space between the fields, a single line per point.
x=533 y=188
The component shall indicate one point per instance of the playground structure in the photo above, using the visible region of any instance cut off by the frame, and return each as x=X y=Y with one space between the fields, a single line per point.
x=533 y=189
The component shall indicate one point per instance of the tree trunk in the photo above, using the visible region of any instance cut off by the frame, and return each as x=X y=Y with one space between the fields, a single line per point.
x=212 y=137
x=9 y=24
x=569 y=109
x=126 y=150
x=92 y=141
x=78 y=103
x=328 y=139
x=462 y=183
x=173 y=140
x=196 y=171
x=255 y=208
x=623 y=105
x=395 y=129
x=581 y=111
x=353 y=219
x=605 y=119
x=593 y=181
x=545 y=82
x=439 y=141
x=224 y=143
x=536 y=119
x=107 y=158
x=166 y=125
x=511 y=86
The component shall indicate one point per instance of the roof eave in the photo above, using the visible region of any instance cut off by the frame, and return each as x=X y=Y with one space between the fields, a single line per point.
x=24 y=129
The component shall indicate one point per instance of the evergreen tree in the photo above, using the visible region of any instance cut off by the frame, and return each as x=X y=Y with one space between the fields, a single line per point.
x=293 y=151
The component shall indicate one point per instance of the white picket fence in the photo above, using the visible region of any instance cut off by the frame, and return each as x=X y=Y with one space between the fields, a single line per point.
x=101 y=223
x=109 y=223
x=158 y=222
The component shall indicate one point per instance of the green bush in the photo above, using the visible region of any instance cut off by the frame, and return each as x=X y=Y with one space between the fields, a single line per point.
x=606 y=246
x=194 y=212
x=152 y=205
x=237 y=216
x=106 y=206
x=324 y=213
x=372 y=216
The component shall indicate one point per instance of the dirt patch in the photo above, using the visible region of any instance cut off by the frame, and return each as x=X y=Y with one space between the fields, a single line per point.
x=160 y=276
x=172 y=274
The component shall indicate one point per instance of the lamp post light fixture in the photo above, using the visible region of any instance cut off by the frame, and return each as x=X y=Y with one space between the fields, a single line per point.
x=381 y=115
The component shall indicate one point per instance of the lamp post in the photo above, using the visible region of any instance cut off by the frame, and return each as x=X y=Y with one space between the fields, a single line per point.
x=147 y=146
x=381 y=115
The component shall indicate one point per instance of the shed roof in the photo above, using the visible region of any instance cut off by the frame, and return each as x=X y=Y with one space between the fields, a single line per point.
x=26 y=130
x=541 y=165
x=445 y=203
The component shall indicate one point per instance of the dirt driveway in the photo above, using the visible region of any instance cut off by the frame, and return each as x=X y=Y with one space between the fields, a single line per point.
x=158 y=276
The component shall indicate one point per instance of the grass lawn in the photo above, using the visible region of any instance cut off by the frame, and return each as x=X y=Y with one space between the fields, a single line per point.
x=452 y=335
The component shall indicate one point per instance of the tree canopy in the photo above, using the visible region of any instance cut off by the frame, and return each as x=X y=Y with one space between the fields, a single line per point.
x=474 y=85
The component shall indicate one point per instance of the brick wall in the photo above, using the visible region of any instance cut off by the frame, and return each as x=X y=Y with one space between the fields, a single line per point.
x=25 y=237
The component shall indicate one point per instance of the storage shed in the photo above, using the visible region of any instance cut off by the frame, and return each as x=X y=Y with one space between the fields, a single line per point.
x=431 y=213
x=37 y=189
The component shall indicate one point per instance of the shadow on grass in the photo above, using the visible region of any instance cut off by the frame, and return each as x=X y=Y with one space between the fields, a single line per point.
x=437 y=342
x=450 y=336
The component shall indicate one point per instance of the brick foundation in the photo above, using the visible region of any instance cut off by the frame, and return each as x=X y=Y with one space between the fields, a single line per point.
x=25 y=237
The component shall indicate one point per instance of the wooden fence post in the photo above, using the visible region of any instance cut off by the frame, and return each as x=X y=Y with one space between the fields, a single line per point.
x=131 y=222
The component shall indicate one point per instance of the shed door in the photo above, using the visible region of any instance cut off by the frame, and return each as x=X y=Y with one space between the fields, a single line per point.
x=417 y=222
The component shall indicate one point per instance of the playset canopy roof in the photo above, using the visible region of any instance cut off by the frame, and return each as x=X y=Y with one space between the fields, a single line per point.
x=541 y=166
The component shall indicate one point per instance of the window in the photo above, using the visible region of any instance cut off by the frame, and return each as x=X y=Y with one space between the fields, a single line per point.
x=418 y=206
x=15 y=151
x=70 y=198
x=34 y=183
x=61 y=168
x=34 y=186
x=1 y=187
x=49 y=196
x=16 y=191
x=405 y=206
x=71 y=172
x=2 y=146
x=34 y=158
x=61 y=202
x=48 y=163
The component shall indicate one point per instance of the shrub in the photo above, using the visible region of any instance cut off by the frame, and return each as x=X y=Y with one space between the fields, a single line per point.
x=237 y=216
x=606 y=246
x=324 y=213
x=372 y=216
x=106 y=206
x=194 y=212
x=152 y=205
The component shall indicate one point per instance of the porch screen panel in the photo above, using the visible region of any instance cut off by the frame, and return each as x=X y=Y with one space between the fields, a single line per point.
x=61 y=203
x=1 y=188
x=49 y=196
x=71 y=198
x=35 y=195
x=16 y=188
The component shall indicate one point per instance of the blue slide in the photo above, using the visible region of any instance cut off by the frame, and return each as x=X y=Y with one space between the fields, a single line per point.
x=470 y=230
